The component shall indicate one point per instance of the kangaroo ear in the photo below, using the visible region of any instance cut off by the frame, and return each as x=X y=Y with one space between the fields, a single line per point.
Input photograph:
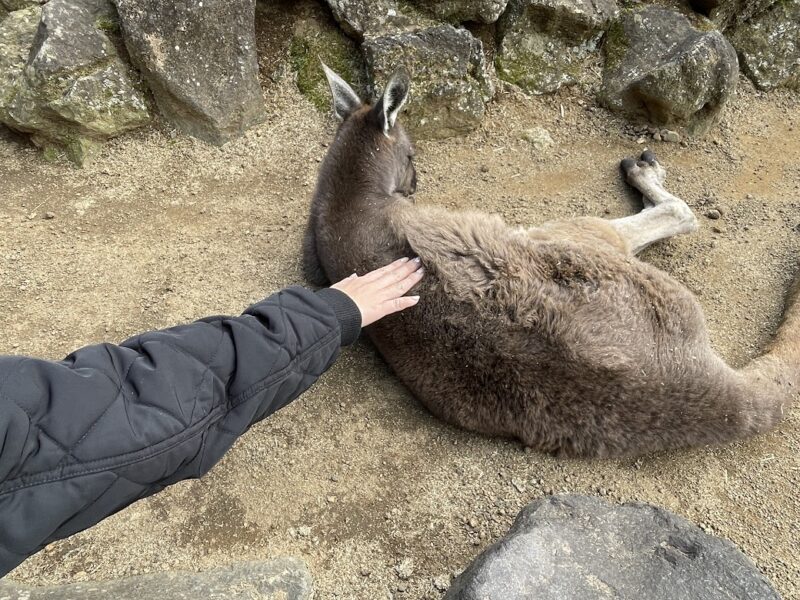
x=394 y=97
x=345 y=100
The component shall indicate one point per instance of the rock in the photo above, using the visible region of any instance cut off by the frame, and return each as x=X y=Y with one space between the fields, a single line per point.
x=725 y=13
x=442 y=582
x=769 y=46
x=670 y=136
x=459 y=11
x=405 y=569
x=661 y=69
x=362 y=19
x=12 y=5
x=278 y=579
x=540 y=139
x=713 y=214
x=316 y=37
x=199 y=59
x=543 y=44
x=584 y=547
x=450 y=79
x=62 y=81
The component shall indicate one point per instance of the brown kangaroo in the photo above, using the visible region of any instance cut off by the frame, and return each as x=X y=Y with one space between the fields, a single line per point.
x=556 y=335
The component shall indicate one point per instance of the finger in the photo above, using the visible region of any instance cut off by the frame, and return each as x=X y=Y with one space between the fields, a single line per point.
x=398 y=304
x=378 y=273
x=398 y=273
x=399 y=288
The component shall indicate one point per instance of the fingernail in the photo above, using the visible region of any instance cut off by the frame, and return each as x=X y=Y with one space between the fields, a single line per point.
x=404 y=259
x=353 y=275
x=420 y=271
x=414 y=298
x=416 y=260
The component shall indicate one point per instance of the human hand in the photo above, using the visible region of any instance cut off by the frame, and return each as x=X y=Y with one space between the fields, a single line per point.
x=380 y=292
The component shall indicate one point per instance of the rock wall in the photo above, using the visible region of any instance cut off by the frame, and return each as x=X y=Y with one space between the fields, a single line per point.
x=75 y=72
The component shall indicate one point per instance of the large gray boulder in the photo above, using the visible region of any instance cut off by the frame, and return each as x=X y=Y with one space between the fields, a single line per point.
x=482 y=11
x=725 y=13
x=543 y=44
x=661 y=69
x=769 y=46
x=582 y=547
x=61 y=79
x=199 y=60
x=362 y=19
x=450 y=79
x=278 y=579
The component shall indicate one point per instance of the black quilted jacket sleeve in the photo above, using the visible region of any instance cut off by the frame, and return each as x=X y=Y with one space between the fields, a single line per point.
x=82 y=438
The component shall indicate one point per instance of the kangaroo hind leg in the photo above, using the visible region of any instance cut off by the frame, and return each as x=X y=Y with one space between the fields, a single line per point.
x=664 y=216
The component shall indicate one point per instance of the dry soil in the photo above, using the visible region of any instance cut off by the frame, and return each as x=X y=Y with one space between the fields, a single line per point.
x=355 y=477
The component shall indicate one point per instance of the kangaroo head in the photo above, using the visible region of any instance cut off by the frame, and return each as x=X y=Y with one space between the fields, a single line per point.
x=372 y=134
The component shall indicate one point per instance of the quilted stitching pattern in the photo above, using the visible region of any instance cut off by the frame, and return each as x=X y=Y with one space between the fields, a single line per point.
x=125 y=421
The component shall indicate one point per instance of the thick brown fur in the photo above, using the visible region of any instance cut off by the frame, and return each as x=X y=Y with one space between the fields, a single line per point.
x=554 y=335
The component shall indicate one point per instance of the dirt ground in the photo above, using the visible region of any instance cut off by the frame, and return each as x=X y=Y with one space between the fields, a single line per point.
x=355 y=476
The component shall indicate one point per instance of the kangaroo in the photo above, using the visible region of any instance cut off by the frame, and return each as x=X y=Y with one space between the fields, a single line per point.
x=556 y=335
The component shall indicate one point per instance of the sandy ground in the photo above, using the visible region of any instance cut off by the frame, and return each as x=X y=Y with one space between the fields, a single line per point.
x=356 y=477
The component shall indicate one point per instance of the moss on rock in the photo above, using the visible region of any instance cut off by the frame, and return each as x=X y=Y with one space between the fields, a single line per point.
x=544 y=44
x=316 y=38
x=62 y=81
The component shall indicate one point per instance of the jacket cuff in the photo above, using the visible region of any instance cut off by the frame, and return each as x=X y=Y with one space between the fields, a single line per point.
x=347 y=313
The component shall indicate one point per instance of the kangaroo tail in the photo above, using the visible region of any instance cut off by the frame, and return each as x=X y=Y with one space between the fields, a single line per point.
x=772 y=381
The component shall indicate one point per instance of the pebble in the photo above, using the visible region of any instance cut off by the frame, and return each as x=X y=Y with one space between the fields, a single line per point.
x=518 y=485
x=304 y=531
x=405 y=569
x=49 y=215
x=713 y=214
x=441 y=583
x=539 y=138
x=671 y=136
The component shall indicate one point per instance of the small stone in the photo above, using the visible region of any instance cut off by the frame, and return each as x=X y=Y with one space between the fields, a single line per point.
x=365 y=572
x=750 y=197
x=717 y=229
x=671 y=136
x=539 y=138
x=405 y=569
x=304 y=531
x=484 y=169
x=49 y=215
x=441 y=583
x=657 y=136
x=518 y=485
x=713 y=214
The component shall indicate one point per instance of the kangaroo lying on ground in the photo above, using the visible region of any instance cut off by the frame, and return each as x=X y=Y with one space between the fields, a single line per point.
x=556 y=335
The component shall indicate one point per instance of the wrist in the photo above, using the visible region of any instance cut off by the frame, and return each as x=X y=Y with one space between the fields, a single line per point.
x=346 y=311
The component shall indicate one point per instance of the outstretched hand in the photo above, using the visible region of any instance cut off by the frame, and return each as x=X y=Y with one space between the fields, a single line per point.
x=381 y=292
